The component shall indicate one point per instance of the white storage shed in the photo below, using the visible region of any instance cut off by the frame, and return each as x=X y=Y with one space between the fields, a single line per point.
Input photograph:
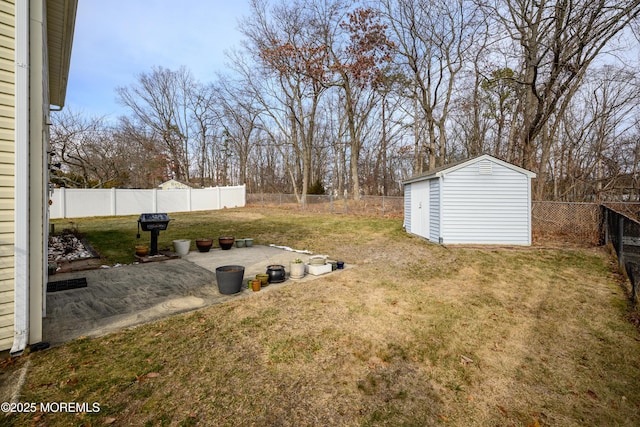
x=483 y=200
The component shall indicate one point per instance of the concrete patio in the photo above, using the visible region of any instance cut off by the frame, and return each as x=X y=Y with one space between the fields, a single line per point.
x=121 y=297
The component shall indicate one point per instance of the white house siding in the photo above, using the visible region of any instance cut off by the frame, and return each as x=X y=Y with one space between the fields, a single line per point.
x=7 y=167
x=407 y=208
x=435 y=209
x=486 y=208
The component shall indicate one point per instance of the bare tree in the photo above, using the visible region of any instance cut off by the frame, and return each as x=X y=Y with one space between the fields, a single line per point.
x=357 y=59
x=559 y=40
x=85 y=151
x=434 y=39
x=159 y=100
x=284 y=41
x=204 y=124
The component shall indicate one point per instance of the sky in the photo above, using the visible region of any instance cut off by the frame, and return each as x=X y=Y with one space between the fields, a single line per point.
x=117 y=40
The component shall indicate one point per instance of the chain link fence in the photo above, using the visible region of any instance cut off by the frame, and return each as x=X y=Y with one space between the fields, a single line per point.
x=382 y=206
x=582 y=224
x=578 y=223
x=623 y=232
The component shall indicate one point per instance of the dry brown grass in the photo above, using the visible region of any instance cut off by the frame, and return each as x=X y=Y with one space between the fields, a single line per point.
x=417 y=334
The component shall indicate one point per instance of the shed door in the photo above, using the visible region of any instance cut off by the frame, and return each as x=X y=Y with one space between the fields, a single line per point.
x=420 y=208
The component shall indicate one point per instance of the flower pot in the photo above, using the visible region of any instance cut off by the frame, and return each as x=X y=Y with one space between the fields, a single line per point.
x=52 y=268
x=225 y=242
x=240 y=243
x=181 y=246
x=229 y=278
x=256 y=285
x=264 y=278
x=276 y=273
x=142 y=250
x=340 y=265
x=296 y=270
x=248 y=242
x=204 y=245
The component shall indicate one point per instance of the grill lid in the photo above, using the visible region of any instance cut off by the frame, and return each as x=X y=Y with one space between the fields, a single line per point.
x=153 y=217
x=154 y=221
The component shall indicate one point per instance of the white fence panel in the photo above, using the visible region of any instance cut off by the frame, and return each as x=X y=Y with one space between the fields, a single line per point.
x=232 y=197
x=205 y=199
x=80 y=202
x=131 y=202
x=174 y=200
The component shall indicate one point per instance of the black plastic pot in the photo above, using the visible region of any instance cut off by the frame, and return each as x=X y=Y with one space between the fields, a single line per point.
x=229 y=278
x=276 y=273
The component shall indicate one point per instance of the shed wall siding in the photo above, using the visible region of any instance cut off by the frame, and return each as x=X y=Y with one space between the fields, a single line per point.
x=486 y=208
x=434 y=210
x=7 y=167
x=407 y=208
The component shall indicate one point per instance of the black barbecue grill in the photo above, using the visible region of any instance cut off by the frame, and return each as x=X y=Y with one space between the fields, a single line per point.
x=153 y=222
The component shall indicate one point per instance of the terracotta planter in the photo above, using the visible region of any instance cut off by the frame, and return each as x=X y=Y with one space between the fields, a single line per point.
x=226 y=242
x=256 y=285
x=204 y=245
x=142 y=250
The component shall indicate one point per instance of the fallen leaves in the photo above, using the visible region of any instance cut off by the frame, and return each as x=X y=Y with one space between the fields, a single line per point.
x=141 y=378
x=465 y=360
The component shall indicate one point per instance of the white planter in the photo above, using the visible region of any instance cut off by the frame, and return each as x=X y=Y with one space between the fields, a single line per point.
x=181 y=246
x=296 y=270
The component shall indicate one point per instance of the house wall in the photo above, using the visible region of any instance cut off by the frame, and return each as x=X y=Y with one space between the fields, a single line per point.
x=486 y=203
x=7 y=169
x=38 y=166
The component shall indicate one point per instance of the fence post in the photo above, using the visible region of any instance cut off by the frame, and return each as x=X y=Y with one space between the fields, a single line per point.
x=114 y=206
x=154 y=200
x=346 y=208
x=63 y=201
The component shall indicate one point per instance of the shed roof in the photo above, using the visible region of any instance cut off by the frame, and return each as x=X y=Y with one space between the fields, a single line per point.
x=451 y=167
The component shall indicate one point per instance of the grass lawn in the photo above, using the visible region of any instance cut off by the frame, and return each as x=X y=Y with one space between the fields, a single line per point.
x=416 y=334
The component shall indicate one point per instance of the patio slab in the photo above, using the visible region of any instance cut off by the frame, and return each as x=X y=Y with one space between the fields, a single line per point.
x=130 y=295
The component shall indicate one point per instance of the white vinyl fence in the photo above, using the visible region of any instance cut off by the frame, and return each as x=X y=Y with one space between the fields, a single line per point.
x=80 y=202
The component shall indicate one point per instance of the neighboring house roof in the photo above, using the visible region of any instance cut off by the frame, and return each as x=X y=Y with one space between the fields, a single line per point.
x=443 y=170
x=174 y=183
x=61 y=18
